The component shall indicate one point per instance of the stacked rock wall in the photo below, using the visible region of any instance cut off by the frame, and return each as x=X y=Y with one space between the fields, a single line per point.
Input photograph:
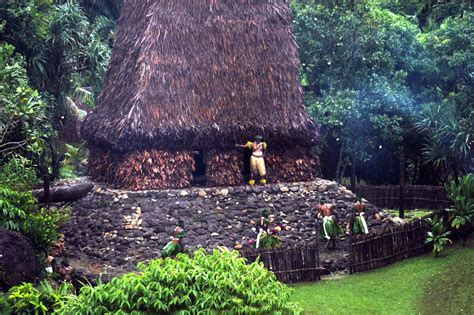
x=120 y=228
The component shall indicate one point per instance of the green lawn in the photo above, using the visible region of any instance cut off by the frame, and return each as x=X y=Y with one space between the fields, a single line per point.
x=410 y=214
x=420 y=285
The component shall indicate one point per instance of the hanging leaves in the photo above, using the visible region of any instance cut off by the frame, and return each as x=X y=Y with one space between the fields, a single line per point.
x=150 y=169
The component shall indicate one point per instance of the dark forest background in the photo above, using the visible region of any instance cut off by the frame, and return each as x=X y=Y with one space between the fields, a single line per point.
x=388 y=81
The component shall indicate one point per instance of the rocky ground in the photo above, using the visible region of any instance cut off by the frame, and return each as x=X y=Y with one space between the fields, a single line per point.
x=111 y=230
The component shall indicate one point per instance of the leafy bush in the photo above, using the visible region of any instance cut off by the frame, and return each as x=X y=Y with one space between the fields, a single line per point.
x=438 y=235
x=42 y=228
x=75 y=162
x=461 y=214
x=18 y=207
x=217 y=283
x=4 y=304
x=15 y=201
x=14 y=207
x=18 y=173
x=44 y=299
x=24 y=124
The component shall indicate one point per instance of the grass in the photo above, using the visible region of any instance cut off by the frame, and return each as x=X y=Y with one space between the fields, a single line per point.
x=410 y=214
x=420 y=285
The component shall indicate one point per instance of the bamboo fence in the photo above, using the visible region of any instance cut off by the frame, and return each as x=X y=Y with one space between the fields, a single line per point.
x=370 y=252
x=415 y=196
x=290 y=265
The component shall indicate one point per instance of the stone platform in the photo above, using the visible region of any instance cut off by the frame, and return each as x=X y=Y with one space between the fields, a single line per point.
x=117 y=228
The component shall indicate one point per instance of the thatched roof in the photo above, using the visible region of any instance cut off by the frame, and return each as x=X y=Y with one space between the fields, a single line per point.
x=200 y=74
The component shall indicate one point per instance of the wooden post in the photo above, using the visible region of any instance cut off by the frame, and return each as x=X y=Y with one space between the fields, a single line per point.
x=353 y=172
x=401 y=193
x=46 y=182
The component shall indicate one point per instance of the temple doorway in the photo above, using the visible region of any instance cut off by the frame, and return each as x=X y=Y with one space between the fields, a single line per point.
x=199 y=175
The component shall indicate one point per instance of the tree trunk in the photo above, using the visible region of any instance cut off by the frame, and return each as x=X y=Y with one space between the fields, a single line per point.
x=64 y=193
x=46 y=191
x=353 y=172
x=339 y=163
x=401 y=195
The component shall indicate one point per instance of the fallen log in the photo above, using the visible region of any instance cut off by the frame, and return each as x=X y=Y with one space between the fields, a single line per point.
x=65 y=193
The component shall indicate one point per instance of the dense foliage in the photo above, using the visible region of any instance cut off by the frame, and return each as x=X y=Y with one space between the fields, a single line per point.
x=461 y=215
x=384 y=78
x=383 y=84
x=53 y=57
x=437 y=235
x=19 y=210
x=221 y=282
x=24 y=124
x=218 y=283
x=43 y=299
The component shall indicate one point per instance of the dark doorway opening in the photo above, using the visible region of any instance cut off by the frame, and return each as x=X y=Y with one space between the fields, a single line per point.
x=199 y=175
x=246 y=162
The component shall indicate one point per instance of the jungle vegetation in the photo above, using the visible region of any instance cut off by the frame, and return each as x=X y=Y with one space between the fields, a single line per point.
x=385 y=79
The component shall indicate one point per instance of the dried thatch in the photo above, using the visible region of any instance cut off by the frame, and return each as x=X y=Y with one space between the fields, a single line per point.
x=224 y=167
x=200 y=74
x=142 y=169
x=183 y=70
x=291 y=165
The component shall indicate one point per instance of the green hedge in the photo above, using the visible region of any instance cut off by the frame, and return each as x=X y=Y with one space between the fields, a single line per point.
x=221 y=283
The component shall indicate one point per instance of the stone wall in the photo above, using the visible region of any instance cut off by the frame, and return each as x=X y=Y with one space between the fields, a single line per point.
x=120 y=228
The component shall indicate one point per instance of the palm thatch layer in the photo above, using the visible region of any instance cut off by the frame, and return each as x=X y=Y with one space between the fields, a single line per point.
x=183 y=70
x=291 y=165
x=200 y=75
x=224 y=168
x=139 y=170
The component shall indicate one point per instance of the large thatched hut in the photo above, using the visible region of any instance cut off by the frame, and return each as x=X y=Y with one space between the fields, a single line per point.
x=188 y=80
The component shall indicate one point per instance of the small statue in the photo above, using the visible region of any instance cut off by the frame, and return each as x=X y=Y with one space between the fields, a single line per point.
x=359 y=225
x=257 y=160
x=268 y=231
x=330 y=230
x=174 y=247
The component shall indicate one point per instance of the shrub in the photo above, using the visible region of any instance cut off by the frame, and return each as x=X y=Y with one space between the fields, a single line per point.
x=18 y=174
x=14 y=207
x=438 y=235
x=42 y=227
x=461 y=214
x=18 y=207
x=15 y=201
x=44 y=299
x=217 y=283
x=4 y=308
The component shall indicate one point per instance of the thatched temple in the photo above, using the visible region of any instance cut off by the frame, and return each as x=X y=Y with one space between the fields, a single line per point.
x=188 y=80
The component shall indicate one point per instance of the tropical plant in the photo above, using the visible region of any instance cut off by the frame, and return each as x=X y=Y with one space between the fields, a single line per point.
x=75 y=162
x=18 y=173
x=449 y=133
x=4 y=306
x=43 y=299
x=16 y=199
x=43 y=227
x=447 y=120
x=356 y=62
x=221 y=283
x=438 y=235
x=461 y=215
x=14 y=207
x=24 y=124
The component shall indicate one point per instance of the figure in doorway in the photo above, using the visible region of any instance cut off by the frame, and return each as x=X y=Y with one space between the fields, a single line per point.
x=257 y=160
x=330 y=230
